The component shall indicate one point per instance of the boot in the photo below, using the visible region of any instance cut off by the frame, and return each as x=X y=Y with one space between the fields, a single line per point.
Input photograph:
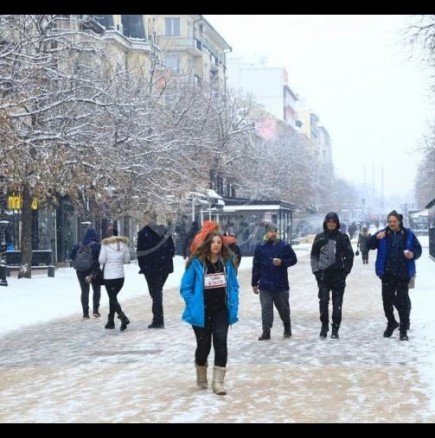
x=110 y=322
x=201 y=376
x=265 y=336
x=334 y=333
x=124 y=321
x=287 y=330
x=391 y=326
x=324 y=331
x=218 y=380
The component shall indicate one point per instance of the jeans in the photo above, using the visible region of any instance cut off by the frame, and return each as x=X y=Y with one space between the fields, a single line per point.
x=216 y=328
x=155 y=282
x=395 y=293
x=85 y=288
x=334 y=282
x=281 y=300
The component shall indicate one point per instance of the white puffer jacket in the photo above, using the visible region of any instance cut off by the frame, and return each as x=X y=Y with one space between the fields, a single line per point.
x=114 y=254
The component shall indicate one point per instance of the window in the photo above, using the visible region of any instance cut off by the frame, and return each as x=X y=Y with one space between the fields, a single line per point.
x=172 y=62
x=172 y=26
x=133 y=26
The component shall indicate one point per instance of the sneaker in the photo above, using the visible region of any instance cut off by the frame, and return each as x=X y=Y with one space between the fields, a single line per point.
x=324 y=332
x=156 y=326
x=96 y=315
x=265 y=336
x=403 y=335
x=287 y=334
x=85 y=316
x=390 y=329
x=334 y=334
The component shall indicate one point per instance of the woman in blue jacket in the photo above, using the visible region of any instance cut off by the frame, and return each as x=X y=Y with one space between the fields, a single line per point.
x=210 y=290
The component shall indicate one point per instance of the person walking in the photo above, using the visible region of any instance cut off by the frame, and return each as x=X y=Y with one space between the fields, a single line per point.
x=89 y=249
x=194 y=228
x=113 y=255
x=272 y=258
x=331 y=262
x=397 y=249
x=362 y=244
x=230 y=240
x=210 y=289
x=155 y=252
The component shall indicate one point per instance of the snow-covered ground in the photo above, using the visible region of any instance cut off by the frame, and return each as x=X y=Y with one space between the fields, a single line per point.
x=58 y=368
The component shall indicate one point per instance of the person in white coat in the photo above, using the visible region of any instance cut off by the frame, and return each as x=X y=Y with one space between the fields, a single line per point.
x=114 y=254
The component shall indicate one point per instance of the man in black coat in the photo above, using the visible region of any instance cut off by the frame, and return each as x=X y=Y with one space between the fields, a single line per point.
x=155 y=251
x=331 y=262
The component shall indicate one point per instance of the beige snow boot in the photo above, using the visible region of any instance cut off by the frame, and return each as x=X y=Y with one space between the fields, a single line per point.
x=218 y=380
x=201 y=376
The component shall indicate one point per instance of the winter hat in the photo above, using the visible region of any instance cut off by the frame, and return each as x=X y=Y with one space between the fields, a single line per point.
x=394 y=213
x=271 y=227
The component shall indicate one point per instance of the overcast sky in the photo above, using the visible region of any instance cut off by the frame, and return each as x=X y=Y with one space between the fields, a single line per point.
x=353 y=72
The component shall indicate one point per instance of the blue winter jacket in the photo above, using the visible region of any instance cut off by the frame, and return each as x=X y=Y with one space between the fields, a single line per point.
x=410 y=242
x=192 y=291
x=264 y=273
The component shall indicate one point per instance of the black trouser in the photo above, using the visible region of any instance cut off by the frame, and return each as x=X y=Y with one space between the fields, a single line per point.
x=365 y=256
x=334 y=282
x=113 y=287
x=85 y=288
x=269 y=298
x=155 y=282
x=395 y=293
x=216 y=327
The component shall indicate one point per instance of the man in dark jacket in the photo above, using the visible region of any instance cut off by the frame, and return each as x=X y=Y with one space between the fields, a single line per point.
x=271 y=259
x=331 y=262
x=155 y=251
x=189 y=238
x=398 y=248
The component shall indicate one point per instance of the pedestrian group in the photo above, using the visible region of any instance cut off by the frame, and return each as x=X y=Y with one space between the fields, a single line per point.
x=210 y=286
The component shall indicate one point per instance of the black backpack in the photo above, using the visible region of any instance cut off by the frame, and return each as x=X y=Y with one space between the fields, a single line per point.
x=84 y=260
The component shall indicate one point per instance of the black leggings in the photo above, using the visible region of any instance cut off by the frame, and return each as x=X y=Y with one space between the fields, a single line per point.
x=113 y=287
x=216 y=326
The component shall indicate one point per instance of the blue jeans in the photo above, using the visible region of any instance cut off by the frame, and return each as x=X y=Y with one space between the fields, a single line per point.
x=281 y=300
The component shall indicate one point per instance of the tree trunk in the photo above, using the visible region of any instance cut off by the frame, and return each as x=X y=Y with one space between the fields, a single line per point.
x=26 y=236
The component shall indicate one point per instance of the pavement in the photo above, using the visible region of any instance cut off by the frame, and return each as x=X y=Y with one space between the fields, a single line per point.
x=74 y=371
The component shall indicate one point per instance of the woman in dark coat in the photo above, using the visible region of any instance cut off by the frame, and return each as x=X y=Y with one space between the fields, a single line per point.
x=91 y=239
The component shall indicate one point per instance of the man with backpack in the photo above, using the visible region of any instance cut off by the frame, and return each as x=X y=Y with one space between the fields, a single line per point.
x=84 y=256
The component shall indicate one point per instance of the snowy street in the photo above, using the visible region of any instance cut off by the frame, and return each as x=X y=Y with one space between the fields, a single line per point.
x=58 y=368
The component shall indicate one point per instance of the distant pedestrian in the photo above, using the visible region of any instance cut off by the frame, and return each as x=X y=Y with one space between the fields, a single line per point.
x=352 y=230
x=230 y=240
x=194 y=228
x=362 y=245
x=155 y=252
x=210 y=290
x=90 y=241
x=272 y=258
x=397 y=249
x=331 y=262
x=113 y=255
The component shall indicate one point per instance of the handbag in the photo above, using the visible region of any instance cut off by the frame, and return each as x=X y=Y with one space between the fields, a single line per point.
x=357 y=253
x=98 y=276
